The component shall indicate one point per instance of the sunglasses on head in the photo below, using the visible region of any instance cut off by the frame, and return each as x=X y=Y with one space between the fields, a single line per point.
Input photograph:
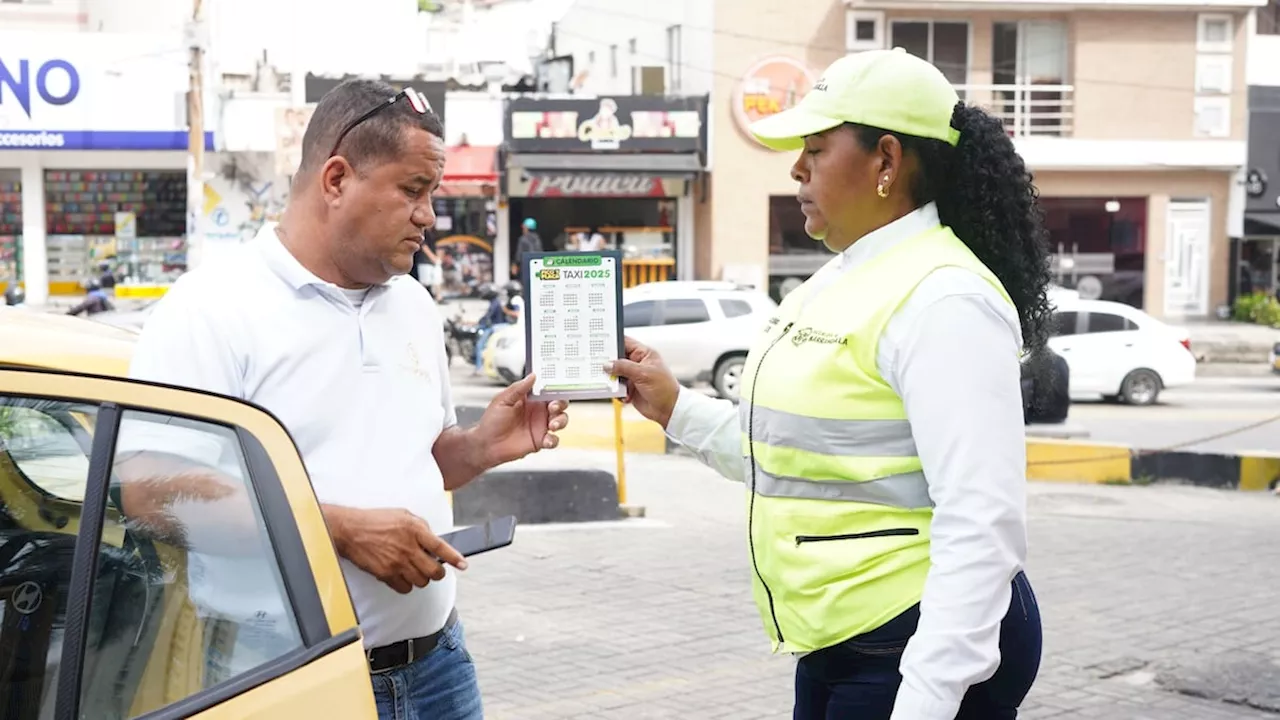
x=417 y=101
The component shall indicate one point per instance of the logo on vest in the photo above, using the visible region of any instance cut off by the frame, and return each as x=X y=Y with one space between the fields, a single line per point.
x=809 y=335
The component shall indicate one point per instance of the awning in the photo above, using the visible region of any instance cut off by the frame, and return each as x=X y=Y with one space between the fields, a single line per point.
x=1260 y=223
x=600 y=162
x=468 y=169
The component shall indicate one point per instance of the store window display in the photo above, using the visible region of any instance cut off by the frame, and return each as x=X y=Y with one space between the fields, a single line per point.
x=10 y=227
x=466 y=228
x=134 y=219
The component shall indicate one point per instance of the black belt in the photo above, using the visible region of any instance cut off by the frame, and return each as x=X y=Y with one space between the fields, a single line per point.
x=399 y=654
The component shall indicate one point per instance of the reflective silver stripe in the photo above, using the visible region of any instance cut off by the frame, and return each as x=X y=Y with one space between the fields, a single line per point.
x=853 y=438
x=908 y=490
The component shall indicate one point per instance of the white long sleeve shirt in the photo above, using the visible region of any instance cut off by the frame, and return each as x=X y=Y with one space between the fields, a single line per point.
x=951 y=354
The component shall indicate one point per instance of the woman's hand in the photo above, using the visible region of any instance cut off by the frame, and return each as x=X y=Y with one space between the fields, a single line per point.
x=651 y=387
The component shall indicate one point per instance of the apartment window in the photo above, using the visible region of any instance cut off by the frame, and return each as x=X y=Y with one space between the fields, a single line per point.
x=1213 y=117
x=1213 y=74
x=1029 y=69
x=631 y=46
x=613 y=61
x=864 y=30
x=1269 y=19
x=945 y=44
x=1213 y=33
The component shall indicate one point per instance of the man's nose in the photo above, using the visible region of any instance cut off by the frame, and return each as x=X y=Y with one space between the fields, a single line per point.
x=424 y=216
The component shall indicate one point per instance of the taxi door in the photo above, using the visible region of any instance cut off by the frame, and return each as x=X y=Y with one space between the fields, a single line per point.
x=162 y=555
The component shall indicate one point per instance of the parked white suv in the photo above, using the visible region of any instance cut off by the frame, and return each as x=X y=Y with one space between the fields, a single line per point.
x=703 y=331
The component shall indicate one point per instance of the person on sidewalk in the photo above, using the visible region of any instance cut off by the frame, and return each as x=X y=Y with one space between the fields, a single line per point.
x=324 y=330
x=528 y=242
x=881 y=410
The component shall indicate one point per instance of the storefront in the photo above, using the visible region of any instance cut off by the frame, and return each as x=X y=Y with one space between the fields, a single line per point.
x=10 y=227
x=92 y=161
x=1257 y=266
x=628 y=167
x=466 y=228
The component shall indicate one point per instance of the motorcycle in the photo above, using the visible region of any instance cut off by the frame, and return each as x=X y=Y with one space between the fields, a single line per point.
x=460 y=338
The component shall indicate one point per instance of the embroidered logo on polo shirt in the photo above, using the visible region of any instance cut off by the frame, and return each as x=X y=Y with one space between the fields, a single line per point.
x=809 y=335
x=413 y=364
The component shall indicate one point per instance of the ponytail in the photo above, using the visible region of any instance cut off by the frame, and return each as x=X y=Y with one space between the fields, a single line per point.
x=986 y=196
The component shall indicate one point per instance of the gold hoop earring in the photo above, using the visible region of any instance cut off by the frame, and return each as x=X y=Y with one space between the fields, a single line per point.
x=881 y=191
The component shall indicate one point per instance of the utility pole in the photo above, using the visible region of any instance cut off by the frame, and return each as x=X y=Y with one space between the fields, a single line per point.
x=195 y=136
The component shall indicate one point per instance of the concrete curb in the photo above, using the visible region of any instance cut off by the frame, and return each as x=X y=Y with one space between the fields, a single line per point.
x=1105 y=463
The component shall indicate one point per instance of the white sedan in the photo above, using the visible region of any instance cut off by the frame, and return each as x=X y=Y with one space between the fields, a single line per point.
x=1119 y=352
x=702 y=330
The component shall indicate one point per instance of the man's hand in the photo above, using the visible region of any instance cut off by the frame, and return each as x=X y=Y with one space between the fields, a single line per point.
x=651 y=387
x=514 y=426
x=391 y=544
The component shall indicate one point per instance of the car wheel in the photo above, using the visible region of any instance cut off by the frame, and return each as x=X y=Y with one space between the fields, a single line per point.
x=1140 y=387
x=727 y=379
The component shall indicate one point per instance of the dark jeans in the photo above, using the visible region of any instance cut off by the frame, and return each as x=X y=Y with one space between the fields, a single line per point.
x=859 y=678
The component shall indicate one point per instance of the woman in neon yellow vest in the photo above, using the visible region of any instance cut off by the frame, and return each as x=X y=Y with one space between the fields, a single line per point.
x=880 y=427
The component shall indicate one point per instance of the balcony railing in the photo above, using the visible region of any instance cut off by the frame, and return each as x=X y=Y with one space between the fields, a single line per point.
x=1026 y=110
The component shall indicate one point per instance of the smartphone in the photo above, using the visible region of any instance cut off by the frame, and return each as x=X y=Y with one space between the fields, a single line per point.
x=495 y=533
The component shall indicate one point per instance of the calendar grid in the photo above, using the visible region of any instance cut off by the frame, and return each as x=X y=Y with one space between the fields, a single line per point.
x=574 y=326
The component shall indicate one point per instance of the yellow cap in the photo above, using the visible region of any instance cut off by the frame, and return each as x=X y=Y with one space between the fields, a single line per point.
x=886 y=89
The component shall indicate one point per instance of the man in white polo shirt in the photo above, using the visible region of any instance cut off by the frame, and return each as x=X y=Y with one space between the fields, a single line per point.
x=315 y=321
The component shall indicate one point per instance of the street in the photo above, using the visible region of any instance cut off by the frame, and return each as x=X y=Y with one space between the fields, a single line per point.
x=1157 y=602
x=1212 y=406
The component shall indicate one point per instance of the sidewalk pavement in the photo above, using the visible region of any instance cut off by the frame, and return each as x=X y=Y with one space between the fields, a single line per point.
x=1231 y=342
x=652 y=618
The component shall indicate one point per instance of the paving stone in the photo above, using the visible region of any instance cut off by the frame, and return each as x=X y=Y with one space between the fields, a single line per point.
x=652 y=618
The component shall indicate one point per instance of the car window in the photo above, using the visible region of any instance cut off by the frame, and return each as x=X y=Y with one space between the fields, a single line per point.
x=638 y=314
x=1099 y=322
x=187 y=593
x=684 y=311
x=1064 y=323
x=735 y=308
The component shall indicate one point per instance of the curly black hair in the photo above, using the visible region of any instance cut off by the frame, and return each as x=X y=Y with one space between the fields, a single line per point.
x=986 y=196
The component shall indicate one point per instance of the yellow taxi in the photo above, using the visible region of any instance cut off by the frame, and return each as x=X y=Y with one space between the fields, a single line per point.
x=209 y=588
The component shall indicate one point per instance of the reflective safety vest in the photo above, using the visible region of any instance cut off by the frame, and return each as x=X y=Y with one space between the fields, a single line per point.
x=839 y=509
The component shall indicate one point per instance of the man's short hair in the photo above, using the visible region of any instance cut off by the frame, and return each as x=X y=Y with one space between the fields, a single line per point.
x=375 y=140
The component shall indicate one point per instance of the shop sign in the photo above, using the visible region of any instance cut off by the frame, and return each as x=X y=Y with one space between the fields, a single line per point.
x=1255 y=183
x=595 y=185
x=772 y=85
x=98 y=91
x=629 y=123
x=17 y=77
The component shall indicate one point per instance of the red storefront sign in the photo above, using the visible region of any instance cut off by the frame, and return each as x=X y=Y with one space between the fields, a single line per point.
x=602 y=185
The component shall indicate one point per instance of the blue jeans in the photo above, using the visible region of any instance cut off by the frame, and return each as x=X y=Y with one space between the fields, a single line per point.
x=440 y=686
x=485 y=334
x=859 y=678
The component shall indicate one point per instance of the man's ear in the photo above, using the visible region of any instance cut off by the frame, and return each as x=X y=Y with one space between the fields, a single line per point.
x=334 y=176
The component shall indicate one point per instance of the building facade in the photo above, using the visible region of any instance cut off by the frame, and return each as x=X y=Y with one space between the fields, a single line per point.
x=93 y=157
x=629 y=167
x=1257 y=257
x=93 y=130
x=1132 y=116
